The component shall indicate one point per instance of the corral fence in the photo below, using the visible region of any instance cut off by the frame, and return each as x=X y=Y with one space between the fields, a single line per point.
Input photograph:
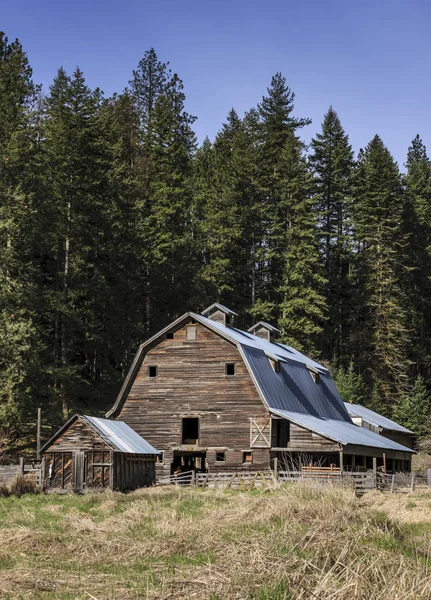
x=360 y=482
x=29 y=467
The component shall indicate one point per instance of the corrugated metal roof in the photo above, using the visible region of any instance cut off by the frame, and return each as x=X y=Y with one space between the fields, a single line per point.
x=374 y=418
x=121 y=436
x=341 y=431
x=294 y=389
x=253 y=341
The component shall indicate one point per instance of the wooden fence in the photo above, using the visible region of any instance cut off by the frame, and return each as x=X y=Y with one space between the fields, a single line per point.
x=28 y=467
x=360 y=482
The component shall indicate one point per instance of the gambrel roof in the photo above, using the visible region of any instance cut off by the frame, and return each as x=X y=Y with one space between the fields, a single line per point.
x=289 y=392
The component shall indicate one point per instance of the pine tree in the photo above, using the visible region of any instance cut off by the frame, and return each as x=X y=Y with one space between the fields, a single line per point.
x=167 y=147
x=417 y=280
x=378 y=208
x=350 y=384
x=20 y=369
x=78 y=203
x=332 y=161
x=302 y=305
x=275 y=128
x=414 y=408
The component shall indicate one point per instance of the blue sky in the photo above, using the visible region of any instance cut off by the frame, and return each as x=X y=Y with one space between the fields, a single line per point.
x=370 y=59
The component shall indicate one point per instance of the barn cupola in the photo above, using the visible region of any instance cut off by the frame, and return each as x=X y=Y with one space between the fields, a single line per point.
x=265 y=331
x=221 y=314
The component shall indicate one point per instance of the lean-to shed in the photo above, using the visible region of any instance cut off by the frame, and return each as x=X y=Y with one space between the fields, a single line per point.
x=89 y=452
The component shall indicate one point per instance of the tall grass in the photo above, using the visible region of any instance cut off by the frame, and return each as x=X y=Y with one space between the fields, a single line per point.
x=294 y=543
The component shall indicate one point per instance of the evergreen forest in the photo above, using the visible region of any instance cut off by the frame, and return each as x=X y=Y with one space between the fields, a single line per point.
x=114 y=221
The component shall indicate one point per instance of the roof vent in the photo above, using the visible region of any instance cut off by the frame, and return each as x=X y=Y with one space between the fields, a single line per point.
x=265 y=331
x=221 y=314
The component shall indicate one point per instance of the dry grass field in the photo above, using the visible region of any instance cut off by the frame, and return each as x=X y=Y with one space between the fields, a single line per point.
x=167 y=544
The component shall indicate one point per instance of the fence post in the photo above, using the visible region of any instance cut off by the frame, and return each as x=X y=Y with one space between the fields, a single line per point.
x=412 y=483
x=21 y=465
x=429 y=477
x=193 y=478
x=392 y=483
x=276 y=469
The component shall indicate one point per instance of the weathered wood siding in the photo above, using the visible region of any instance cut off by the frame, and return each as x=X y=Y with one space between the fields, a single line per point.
x=305 y=440
x=133 y=471
x=78 y=436
x=192 y=382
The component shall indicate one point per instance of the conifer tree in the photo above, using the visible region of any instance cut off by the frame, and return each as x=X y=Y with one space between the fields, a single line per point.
x=332 y=161
x=378 y=205
x=20 y=368
x=350 y=384
x=167 y=147
x=302 y=304
x=77 y=188
x=275 y=128
x=417 y=279
x=414 y=408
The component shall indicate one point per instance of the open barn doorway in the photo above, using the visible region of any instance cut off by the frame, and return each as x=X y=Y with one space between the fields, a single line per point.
x=187 y=460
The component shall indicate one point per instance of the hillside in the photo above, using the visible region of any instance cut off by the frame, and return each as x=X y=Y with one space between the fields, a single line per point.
x=166 y=543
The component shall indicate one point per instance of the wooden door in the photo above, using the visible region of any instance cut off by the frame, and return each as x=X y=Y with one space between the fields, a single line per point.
x=78 y=466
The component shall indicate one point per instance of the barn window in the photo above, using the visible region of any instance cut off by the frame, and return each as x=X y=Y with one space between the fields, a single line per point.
x=275 y=364
x=315 y=375
x=230 y=368
x=152 y=371
x=282 y=432
x=247 y=457
x=190 y=430
x=191 y=333
x=170 y=335
x=160 y=458
x=220 y=456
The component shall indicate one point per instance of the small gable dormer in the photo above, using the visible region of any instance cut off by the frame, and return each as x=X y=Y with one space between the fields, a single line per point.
x=265 y=331
x=219 y=313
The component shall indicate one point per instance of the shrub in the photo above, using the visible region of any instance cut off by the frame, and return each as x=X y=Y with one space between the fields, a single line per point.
x=23 y=485
x=4 y=490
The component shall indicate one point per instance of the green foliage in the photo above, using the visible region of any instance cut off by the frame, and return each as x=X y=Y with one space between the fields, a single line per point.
x=378 y=212
x=113 y=222
x=350 y=384
x=413 y=408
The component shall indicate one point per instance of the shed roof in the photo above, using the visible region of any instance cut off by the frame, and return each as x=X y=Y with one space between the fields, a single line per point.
x=356 y=410
x=117 y=434
x=341 y=431
x=122 y=436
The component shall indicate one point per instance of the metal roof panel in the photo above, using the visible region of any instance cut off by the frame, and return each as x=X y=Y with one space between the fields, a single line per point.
x=341 y=431
x=356 y=410
x=123 y=437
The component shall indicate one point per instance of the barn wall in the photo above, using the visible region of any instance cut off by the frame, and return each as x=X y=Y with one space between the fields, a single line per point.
x=133 y=471
x=304 y=439
x=191 y=382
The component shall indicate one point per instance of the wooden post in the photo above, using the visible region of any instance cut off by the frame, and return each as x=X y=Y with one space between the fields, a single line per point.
x=429 y=477
x=276 y=468
x=375 y=465
x=412 y=483
x=392 y=483
x=21 y=465
x=341 y=461
x=193 y=478
x=39 y=421
x=384 y=462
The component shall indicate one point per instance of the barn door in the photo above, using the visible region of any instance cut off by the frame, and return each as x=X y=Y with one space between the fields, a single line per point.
x=78 y=466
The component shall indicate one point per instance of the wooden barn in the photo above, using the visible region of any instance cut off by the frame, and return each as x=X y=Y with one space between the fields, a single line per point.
x=93 y=453
x=211 y=397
